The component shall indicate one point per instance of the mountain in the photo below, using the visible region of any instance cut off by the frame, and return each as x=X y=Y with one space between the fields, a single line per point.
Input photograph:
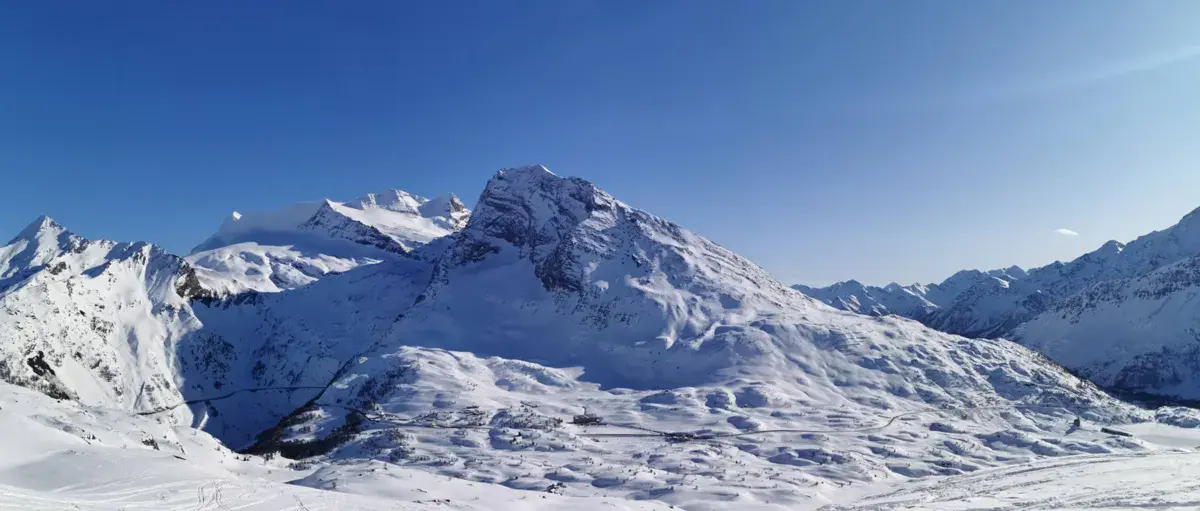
x=851 y=295
x=1137 y=334
x=471 y=353
x=557 y=298
x=93 y=321
x=1120 y=314
x=928 y=303
x=298 y=244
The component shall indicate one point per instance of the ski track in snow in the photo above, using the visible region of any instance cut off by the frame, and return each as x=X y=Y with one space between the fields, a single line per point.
x=1116 y=481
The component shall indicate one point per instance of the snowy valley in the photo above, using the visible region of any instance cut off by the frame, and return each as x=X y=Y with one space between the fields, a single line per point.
x=555 y=348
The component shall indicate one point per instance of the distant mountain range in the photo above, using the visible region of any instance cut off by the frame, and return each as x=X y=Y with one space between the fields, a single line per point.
x=1124 y=315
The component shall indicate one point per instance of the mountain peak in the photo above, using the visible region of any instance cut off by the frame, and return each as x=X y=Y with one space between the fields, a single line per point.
x=230 y=222
x=36 y=245
x=42 y=228
x=392 y=199
x=532 y=206
x=965 y=275
x=448 y=207
x=1111 y=247
x=525 y=172
x=442 y=205
x=1193 y=216
x=1188 y=228
x=522 y=177
x=851 y=284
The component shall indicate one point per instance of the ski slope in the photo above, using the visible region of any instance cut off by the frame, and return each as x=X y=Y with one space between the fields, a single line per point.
x=59 y=455
x=1157 y=479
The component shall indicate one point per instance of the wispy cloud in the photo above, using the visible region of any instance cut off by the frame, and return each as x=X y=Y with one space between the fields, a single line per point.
x=1066 y=232
x=1000 y=89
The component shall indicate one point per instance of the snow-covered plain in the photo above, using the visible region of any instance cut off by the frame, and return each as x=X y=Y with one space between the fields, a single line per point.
x=456 y=365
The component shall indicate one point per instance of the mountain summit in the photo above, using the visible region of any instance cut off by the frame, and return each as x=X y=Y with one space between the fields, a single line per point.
x=298 y=244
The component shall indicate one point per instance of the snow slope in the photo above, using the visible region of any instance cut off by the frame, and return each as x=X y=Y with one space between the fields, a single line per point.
x=58 y=455
x=1146 y=480
x=504 y=421
x=298 y=244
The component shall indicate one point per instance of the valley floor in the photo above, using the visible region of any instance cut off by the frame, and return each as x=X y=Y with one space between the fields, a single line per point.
x=58 y=455
x=105 y=478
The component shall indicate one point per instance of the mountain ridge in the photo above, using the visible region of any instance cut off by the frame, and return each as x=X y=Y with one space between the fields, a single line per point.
x=1058 y=308
x=301 y=243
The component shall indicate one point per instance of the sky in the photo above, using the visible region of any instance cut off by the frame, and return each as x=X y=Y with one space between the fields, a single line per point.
x=877 y=140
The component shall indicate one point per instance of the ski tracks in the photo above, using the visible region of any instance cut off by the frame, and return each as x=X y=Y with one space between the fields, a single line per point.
x=1012 y=487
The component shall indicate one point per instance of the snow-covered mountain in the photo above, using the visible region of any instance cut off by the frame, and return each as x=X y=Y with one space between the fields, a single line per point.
x=469 y=353
x=94 y=321
x=1121 y=314
x=1138 y=334
x=930 y=303
x=851 y=295
x=557 y=298
x=293 y=246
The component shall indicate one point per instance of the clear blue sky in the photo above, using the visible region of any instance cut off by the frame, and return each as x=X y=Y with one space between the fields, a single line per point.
x=824 y=140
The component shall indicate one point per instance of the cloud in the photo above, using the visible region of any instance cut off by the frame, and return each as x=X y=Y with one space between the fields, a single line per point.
x=1003 y=89
x=1066 y=232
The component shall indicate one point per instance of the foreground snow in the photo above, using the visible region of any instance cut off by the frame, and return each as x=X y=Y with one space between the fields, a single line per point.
x=1148 y=480
x=58 y=455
